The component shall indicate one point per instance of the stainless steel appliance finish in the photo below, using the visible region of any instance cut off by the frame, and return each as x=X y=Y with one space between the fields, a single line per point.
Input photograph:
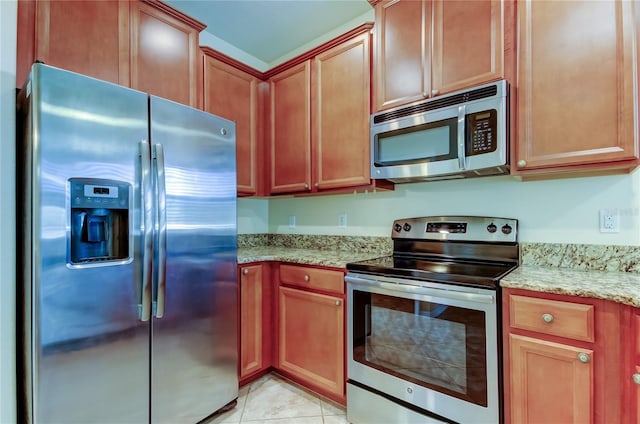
x=423 y=324
x=457 y=135
x=148 y=333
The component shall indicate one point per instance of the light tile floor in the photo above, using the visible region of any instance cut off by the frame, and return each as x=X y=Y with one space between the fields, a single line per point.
x=274 y=400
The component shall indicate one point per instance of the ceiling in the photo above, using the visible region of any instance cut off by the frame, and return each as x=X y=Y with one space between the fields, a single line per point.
x=269 y=29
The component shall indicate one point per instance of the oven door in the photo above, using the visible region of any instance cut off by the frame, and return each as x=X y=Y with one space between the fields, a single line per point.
x=433 y=346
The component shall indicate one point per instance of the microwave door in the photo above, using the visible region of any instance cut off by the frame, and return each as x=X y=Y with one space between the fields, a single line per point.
x=408 y=149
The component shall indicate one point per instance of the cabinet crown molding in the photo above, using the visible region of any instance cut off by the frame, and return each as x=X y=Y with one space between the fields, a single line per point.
x=194 y=23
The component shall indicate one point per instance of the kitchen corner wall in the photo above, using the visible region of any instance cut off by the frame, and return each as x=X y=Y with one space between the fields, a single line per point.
x=552 y=211
x=8 y=23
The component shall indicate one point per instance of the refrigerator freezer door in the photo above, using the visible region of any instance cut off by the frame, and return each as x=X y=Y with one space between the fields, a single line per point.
x=194 y=342
x=86 y=352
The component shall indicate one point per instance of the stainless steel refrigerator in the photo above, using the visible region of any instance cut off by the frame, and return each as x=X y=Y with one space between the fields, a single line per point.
x=127 y=285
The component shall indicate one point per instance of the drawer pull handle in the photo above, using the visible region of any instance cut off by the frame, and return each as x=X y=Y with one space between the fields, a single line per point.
x=583 y=357
x=338 y=302
x=306 y=278
x=548 y=318
x=636 y=378
x=245 y=271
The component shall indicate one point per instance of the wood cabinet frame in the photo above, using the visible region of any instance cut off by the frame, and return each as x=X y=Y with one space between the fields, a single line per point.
x=607 y=349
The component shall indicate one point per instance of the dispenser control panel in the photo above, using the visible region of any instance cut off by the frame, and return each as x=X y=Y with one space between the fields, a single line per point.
x=99 y=216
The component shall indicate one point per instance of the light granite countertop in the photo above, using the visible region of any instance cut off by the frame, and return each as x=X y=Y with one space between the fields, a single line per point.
x=621 y=287
x=330 y=258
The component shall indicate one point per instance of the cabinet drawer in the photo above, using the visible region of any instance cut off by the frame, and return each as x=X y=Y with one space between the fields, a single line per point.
x=557 y=318
x=313 y=278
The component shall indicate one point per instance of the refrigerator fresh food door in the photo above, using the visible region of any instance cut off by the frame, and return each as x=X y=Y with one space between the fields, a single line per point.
x=194 y=329
x=86 y=352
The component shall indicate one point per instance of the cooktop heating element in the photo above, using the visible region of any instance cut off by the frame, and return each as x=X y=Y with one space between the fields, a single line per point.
x=463 y=250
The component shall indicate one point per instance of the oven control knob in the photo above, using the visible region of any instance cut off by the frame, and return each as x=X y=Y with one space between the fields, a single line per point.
x=397 y=227
x=506 y=229
x=492 y=228
x=406 y=227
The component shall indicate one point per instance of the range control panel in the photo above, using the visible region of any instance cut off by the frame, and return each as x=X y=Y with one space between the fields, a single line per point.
x=457 y=228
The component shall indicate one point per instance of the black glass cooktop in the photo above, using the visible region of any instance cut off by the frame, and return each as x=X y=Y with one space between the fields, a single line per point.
x=466 y=273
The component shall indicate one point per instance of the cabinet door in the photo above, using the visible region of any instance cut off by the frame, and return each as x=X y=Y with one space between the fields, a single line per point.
x=233 y=94
x=341 y=113
x=549 y=384
x=576 y=85
x=163 y=54
x=402 y=68
x=468 y=43
x=311 y=338
x=290 y=135
x=87 y=37
x=251 y=311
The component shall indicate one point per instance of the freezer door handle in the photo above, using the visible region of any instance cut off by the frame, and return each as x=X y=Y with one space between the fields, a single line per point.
x=162 y=229
x=144 y=304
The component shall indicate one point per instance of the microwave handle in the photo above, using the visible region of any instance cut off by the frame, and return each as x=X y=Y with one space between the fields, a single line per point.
x=462 y=158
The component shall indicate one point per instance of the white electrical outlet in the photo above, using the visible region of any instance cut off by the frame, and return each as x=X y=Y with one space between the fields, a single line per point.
x=292 y=221
x=609 y=221
x=342 y=220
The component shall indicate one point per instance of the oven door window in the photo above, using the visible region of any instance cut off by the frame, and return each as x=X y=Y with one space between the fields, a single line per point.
x=430 y=142
x=441 y=347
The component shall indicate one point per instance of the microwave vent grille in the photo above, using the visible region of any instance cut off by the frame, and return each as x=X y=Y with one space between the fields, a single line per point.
x=452 y=100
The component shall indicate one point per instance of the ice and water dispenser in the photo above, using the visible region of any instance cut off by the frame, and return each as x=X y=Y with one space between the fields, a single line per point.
x=100 y=230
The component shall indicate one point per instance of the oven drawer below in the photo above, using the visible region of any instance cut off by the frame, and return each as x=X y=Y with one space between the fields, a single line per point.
x=364 y=407
x=553 y=317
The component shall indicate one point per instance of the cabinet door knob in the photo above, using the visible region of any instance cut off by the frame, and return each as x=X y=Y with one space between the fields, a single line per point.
x=316 y=185
x=306 y=186
x=339 y=302
x=434 y=92
x=522 y=163
x=548 y=318
x=306 y=278
x=245 y=271
x=636 y=378
x=583 y=357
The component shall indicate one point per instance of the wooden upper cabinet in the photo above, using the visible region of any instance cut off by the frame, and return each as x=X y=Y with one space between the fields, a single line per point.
x=87 y=37
x=469 y=46
x=340 y=115
x=576 y=86
x=290 y=130
x=233 y=94
x=164 y=52
x=402 y=34
x=468 y=43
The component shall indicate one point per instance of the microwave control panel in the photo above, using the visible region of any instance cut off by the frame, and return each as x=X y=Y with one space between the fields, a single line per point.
x=481 y=132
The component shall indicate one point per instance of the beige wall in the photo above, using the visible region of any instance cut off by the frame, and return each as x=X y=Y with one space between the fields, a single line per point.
x=7 y=211
x=553 y=211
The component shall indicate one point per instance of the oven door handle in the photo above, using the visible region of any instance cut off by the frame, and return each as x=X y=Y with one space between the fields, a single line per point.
x=428 y=291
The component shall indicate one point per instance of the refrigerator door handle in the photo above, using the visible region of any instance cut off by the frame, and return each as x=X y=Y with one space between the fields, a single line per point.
x=162 y=230
x=144 y=306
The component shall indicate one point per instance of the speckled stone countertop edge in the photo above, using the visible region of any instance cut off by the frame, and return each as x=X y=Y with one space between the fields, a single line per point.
x=328 y=258
x=621 y=287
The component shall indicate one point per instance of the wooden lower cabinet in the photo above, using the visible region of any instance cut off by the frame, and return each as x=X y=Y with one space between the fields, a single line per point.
x=311 y=340
x=562 y=359
x=631 y=374
x=255 y=320
x=549 y=383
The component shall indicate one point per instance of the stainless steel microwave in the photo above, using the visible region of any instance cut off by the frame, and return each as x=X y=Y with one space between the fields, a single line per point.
x=457 y=135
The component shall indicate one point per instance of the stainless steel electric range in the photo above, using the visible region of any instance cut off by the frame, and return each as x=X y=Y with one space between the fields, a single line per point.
x=424 y=323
